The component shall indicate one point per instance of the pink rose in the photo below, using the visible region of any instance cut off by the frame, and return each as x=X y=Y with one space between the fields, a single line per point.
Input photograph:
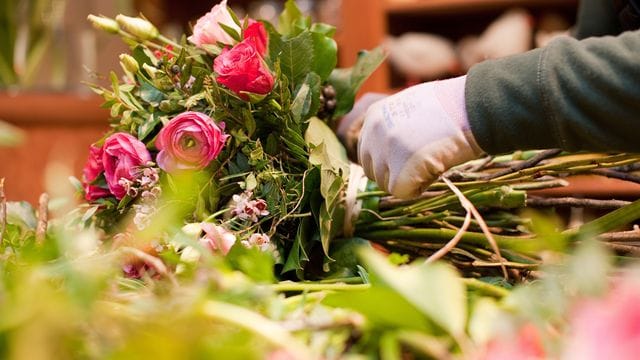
x=607 y=328
x=217 y=238
x=122 y=155
x=208 y=30
x=189 y=142
x=242 y=69
x=92 y=169
x=257 y=35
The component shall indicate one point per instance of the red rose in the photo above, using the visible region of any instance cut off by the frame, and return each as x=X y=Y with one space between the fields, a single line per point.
x=257 y=35
x=190 y=141
x=242 y=69
x=92 y=169
x=122 y=156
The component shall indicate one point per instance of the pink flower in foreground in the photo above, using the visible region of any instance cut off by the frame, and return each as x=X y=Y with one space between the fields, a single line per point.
x=525 y=345
x=607 y=328
x=256 y=34
x=122 y=157
x=93 y=168
x=217 y=238
x=261 y=241
x=242 y=70
x=190 y=141
x=208 y=30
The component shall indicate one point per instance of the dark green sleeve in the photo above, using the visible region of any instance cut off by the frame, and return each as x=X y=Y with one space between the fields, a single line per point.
x=574 y=95
x=596 y=18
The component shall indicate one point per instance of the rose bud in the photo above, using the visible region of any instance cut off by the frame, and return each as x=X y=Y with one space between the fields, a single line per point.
x=257 y=35
x=122 y=156
x=128 y=63
x=208 y=30
x=242 y=69
x=190 y=141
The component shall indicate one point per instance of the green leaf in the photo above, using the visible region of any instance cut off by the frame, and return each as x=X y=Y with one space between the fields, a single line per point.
x=382 y=306
x=231 y=31
x=324 y=29
x=296 y=58
x=147 y=127
x=434 y=289
x=348 y=81
x=298 y=252
x=344 y=254
x=288 y=18
x=150 y=93
x=325 y=54
x=142 y=55
x=253 y=262
x=331 y=155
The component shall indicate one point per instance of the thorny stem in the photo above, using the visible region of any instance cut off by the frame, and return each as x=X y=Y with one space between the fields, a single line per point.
x=576 y=202
x=524 y=164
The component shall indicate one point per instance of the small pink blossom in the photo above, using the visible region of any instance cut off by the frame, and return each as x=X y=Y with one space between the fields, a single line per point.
x=208 y=30
x=217 y=238
x=190 y=141
x=246 y=209
x=262 y=241
x=122 y=156
x=607 y=328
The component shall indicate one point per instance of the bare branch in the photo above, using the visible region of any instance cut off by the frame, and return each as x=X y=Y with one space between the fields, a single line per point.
x=43 y=218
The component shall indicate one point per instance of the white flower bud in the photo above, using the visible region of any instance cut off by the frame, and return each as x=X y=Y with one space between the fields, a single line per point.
x=104 y=23
x=129 y=63
x=138 y=27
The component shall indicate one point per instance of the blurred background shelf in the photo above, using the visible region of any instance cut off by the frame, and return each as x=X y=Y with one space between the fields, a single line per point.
x=365 y=27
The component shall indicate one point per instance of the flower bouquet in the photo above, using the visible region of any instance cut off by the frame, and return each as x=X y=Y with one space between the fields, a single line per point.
x=222 y=143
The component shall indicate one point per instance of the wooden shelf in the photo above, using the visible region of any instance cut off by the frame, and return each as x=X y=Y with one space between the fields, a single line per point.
x=365 y=27
x=453 y=6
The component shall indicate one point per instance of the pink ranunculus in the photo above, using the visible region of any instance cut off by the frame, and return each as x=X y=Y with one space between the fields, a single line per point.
x=526 y=344
x=208 y=30
x=217 y=238
x=242 y=69
x=122 y=157
x=190 y=141
x=257 y=35
x=607 y=328
x=92 y=169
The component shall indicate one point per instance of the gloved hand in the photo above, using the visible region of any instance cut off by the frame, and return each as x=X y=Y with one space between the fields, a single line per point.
x=351 y=123
x=410 y=138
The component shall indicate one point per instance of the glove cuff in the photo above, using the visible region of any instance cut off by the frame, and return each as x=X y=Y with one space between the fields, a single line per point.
x=450 y=93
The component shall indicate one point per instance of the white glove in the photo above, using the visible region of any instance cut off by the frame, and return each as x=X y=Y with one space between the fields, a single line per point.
x=409 y=139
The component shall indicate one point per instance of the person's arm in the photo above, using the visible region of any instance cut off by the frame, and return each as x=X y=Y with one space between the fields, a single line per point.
x=596 y=18
x=574 y=95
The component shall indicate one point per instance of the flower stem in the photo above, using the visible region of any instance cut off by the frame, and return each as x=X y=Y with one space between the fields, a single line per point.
x=492 y=290
x=295 y=286
x=257 y=324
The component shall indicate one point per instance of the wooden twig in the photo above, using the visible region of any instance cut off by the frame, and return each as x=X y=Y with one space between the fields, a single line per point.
x=576 y=202
x=623 y=248
x=524 y=164
x=453 y=242
x=3 y=209
x=610 y=173
x=621 y=236
x=43 y=218
x=468 y=206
